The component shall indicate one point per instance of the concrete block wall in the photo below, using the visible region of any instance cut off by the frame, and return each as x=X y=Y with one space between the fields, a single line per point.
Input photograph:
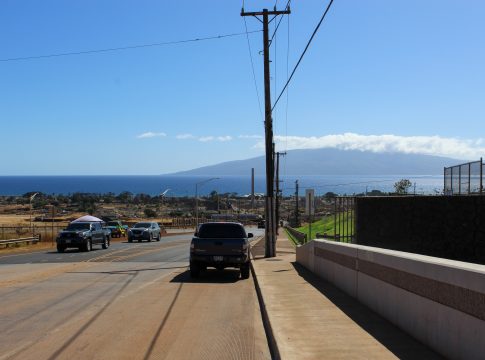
x=439 y=302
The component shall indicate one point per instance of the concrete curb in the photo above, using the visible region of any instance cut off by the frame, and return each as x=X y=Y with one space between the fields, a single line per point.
x=273 y=345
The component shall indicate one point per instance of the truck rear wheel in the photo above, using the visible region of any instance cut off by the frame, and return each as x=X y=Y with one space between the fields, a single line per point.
x=61 y=248
x=245 y=271
x=194 y=270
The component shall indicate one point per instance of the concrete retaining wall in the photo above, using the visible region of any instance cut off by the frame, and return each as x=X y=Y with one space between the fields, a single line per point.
x=439 y=302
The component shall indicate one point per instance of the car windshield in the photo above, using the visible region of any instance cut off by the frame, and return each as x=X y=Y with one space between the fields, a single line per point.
x=78 y=226
x=220 y=231
x=142 y=225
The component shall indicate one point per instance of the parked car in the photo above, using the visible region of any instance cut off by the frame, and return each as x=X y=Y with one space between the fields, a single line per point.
x=117 y=228
x=220 y=245
x=144 y=231
x=83 y=235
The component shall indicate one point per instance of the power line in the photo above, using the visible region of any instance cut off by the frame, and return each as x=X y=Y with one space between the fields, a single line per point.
x=287 y=91
x=129 y=47
x=279 y=22
x=304 y=51
x=342 y=184
x=252 y=67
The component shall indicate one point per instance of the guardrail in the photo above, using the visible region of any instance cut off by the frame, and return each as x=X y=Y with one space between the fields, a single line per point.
x=298 y=235
x=17 y=242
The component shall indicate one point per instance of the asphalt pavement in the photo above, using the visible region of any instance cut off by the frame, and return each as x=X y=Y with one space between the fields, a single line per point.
x=130 y=301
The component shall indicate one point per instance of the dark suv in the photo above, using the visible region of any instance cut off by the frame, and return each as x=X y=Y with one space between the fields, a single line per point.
x=144 y=231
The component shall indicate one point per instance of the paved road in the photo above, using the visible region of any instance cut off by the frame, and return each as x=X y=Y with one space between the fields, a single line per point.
x=132 y=301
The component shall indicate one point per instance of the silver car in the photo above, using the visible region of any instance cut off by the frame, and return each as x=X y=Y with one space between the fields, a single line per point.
x=144 y=231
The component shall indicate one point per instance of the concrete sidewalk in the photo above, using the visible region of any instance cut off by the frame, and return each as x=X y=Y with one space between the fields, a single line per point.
x=311 y=319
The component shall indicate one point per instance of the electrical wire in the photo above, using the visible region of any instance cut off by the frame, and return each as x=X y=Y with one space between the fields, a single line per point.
x=279 y=22
x=287 y=91
x=129 y=47
x=275 y=67
x=304 y=51
x=252 y=68
x=343 y=184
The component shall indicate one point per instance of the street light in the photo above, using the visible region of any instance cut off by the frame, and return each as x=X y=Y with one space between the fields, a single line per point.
x=162 y=195
x=197 y=199
x=32 y=197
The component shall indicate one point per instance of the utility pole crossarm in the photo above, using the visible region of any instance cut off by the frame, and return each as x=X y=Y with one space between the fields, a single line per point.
x=260 y=13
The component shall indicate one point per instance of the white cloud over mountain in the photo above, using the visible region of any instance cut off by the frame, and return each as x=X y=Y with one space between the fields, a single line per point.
x=185 y=136
x=429 y=145
x=150 y=134
x=204 y=138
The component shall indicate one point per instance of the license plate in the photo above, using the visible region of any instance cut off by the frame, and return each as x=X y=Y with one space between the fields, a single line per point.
x=218 y=258
x=68 y=241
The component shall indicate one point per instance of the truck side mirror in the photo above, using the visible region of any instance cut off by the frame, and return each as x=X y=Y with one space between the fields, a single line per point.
x=250 y=235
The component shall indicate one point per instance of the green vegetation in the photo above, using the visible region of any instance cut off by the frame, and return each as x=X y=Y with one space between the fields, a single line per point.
x=402 y=186
x=292 y=239
x=327 y=226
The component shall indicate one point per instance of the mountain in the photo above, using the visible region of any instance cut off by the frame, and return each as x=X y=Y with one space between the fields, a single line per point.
x=335 y=162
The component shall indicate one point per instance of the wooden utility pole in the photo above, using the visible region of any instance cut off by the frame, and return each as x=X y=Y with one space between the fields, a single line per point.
x=297 y=211
x=270 y=237
x=278 y=191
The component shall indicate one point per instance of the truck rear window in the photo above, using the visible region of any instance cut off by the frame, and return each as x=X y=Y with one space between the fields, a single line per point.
x=222 y=231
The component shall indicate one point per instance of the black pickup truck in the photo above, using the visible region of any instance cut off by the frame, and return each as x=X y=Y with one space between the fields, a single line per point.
x=83 y=235
x=220 y=245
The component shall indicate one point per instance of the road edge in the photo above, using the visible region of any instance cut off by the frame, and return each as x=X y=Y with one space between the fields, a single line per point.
x=268 y=329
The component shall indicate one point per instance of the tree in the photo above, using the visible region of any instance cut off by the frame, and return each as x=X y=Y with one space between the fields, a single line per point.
x=330 y=195
x=125 y=197
x=402 y=186
x=149 y=213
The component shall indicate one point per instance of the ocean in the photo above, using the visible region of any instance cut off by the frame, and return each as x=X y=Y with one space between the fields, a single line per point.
x=186 y=185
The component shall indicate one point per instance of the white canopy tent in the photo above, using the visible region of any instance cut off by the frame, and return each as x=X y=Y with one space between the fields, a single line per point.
x=88 y=218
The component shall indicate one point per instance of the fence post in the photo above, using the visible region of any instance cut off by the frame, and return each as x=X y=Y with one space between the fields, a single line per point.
x=444 y=181
x=481 y=175
x=459 y=180
x=346 y=219
x=469 y=178
x=335 y=216
x=352 y=204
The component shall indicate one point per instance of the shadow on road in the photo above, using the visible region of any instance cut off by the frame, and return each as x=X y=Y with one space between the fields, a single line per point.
x=66 y=344
x=162 y=324
x=394 y=339
x=127 y=271
x=210 y=276
x=71 y=251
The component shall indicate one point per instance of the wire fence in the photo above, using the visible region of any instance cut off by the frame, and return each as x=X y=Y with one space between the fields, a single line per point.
x=45 y=233
x=464 y=179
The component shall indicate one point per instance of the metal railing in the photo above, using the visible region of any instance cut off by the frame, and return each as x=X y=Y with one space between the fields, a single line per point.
x=7 y=243
x=464 y=179
x=344 y=221
x=297 y=235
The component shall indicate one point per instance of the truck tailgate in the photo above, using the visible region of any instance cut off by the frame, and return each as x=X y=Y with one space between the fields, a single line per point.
x=218 y=246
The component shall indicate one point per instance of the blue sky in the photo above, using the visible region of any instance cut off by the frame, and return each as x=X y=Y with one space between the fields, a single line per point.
x=402 y=76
